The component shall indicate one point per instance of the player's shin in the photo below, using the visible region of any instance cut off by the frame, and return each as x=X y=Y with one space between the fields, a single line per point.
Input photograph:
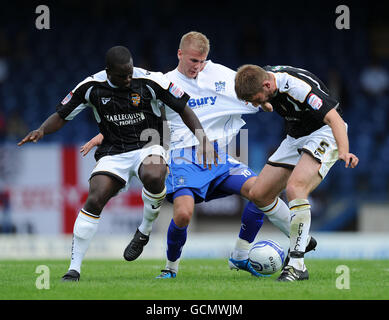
x=300 y=210
x=84 y=229
x=252 y=220
x=279 y=214
x=176 y=238
x=151 y=207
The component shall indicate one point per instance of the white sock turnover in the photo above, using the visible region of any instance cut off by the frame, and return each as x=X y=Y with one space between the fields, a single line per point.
x=279 y=214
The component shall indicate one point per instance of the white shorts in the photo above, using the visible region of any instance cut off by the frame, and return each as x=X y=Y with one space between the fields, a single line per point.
x=320 y=144
x=124 y=166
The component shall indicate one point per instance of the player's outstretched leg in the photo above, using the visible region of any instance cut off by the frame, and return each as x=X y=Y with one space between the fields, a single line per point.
x=244 y=265
x=252 y=220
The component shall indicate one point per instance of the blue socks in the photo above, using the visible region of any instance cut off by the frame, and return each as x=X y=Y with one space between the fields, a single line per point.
x=176 y=238
x=252 y=220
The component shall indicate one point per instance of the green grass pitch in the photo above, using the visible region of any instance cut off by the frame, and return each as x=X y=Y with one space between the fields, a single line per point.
x=198 y=279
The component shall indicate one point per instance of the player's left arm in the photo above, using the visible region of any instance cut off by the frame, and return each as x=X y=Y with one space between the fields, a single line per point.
x=338 y=127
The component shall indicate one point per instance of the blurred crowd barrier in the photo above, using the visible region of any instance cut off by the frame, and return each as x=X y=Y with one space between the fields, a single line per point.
x=339 y=245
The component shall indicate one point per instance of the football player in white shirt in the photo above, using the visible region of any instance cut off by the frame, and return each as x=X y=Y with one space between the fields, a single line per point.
x=213 y=99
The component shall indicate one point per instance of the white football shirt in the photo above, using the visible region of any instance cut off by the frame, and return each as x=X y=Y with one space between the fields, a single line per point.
x=213 y=100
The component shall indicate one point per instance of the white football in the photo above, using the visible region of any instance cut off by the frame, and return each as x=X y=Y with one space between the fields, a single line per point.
x=266 y=256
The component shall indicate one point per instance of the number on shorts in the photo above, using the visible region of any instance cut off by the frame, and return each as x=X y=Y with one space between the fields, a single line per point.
x=322 y=148
x=246 y=173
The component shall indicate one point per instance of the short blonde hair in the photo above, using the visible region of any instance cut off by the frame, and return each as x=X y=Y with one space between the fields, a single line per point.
x=197 y=40
x=248 y=81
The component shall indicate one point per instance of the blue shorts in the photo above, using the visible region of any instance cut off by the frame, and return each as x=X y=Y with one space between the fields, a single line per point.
x=187 y=177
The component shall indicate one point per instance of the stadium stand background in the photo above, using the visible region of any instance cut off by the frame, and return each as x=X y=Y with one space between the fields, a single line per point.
x=39 y=67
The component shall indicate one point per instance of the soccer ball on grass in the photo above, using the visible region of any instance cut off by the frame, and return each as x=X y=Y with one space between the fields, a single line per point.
x=266 y=256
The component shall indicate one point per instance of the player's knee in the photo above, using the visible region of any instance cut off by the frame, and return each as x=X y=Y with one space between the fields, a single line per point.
x=255 y=195
x=247 y=186
x=154 y=179
x=94 y=203
x=260 y=198
x=182 y=218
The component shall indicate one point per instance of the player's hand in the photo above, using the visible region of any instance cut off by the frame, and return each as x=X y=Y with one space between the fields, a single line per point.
x=350 y=159
x=33 y=136
x=267 y=107
x=207 y=154
x=95 y=141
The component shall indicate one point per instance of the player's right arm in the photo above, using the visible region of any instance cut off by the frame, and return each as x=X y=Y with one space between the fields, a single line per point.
x=70 y=106
x=338 y=127
x=50 y=125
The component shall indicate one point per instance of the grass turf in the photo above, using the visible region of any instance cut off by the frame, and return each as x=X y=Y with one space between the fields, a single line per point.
x=198 y=279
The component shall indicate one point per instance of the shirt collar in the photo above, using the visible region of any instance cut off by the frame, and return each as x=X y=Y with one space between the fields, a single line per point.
x=111 y=84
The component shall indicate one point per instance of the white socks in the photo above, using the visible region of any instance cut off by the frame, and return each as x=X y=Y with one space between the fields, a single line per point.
x=300 y=223
x=151 y=207
x=241 y=250
x=84 y=229
x=279 y=214
x=172 y=265
x=294 y=221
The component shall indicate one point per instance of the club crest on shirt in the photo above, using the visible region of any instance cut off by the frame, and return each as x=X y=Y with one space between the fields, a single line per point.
x=67 y=98
x=220 y=86
x=314 y=101
x=135 y=98
x=180 y=180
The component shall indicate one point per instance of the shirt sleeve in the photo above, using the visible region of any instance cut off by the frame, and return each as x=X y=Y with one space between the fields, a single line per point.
x=74 y=102
x=172 y=96
x=320 y=103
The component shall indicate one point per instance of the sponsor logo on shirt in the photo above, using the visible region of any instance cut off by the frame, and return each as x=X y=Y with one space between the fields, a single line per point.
x=314 y=101
x=175 y=90
x=125 y=119
x=67 y=98
x=203 y=101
